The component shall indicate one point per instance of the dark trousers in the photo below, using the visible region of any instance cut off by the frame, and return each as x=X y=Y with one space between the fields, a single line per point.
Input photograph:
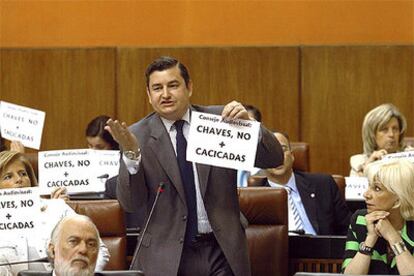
x=203 y=257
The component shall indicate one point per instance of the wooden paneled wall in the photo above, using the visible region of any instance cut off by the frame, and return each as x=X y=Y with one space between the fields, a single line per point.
x=339 y=86
x=71 y=85
x=316 y=94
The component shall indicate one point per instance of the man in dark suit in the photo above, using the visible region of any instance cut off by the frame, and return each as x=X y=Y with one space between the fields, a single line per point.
x=318 y=205
x=195 y=228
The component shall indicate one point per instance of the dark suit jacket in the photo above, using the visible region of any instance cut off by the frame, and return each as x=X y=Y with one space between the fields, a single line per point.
x=163 y=243
x=324 y=206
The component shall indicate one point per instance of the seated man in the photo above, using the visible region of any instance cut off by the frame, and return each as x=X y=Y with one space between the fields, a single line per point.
x=74 y=245
x=315 y=204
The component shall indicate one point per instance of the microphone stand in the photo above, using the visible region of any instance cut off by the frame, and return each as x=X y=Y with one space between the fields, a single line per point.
x=138 y=248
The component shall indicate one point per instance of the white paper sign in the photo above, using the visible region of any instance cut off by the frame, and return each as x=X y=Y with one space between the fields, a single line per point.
x=355 y=187
x=214 y=141
x=22 y=124
x=19 y=211
x=409 y=155
x=79 y=171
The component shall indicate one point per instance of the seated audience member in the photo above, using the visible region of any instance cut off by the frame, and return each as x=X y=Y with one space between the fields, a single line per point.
x=383 y=132
x=243 y=175
x=97 y=137
x=73 y=247
x=381 y=238
x=315 y=203
x=17 y=172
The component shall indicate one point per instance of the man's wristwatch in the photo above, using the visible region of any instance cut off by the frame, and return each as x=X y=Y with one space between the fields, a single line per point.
x=132 y=154
x=365 y=249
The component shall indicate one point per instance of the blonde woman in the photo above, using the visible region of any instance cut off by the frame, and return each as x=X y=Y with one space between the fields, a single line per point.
x=381 y=238
x=17 y=172
x=383 y=132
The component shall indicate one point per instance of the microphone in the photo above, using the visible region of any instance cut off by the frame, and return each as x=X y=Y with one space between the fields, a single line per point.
x=41 y=260
x=138 y=248
x=299 y=231
x=103 y=176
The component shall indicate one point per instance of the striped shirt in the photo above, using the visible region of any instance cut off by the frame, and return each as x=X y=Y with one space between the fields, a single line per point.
x=357 y=233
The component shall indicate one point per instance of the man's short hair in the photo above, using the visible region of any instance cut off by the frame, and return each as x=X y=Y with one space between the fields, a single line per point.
x=164 y=63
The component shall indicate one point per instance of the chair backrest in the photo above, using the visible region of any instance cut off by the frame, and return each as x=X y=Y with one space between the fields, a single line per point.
x=109 y=219
x=267 y=234
x=300 y=151
x=340 y=182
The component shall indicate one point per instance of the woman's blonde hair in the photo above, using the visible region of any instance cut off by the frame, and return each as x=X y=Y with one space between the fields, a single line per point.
x=8 y=157
x=376 y=119
x=397 y=176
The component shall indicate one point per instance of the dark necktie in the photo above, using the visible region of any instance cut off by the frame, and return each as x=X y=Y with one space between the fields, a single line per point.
x=187 y=177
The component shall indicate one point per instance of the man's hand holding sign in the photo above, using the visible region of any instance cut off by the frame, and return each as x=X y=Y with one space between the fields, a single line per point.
x=222 y=142
x=233 y=110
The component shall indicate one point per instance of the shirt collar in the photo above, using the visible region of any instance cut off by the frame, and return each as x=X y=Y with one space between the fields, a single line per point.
x=169 y=124
x=291 y=183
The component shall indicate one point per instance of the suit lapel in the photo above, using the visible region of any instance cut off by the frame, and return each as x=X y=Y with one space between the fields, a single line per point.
x=160 y=144
x=308 y=197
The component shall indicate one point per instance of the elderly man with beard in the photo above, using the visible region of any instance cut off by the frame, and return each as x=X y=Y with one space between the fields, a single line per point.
x=74 y=245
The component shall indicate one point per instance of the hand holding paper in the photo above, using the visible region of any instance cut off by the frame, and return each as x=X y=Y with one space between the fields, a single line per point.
x=223 y=142
x=235 y=110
